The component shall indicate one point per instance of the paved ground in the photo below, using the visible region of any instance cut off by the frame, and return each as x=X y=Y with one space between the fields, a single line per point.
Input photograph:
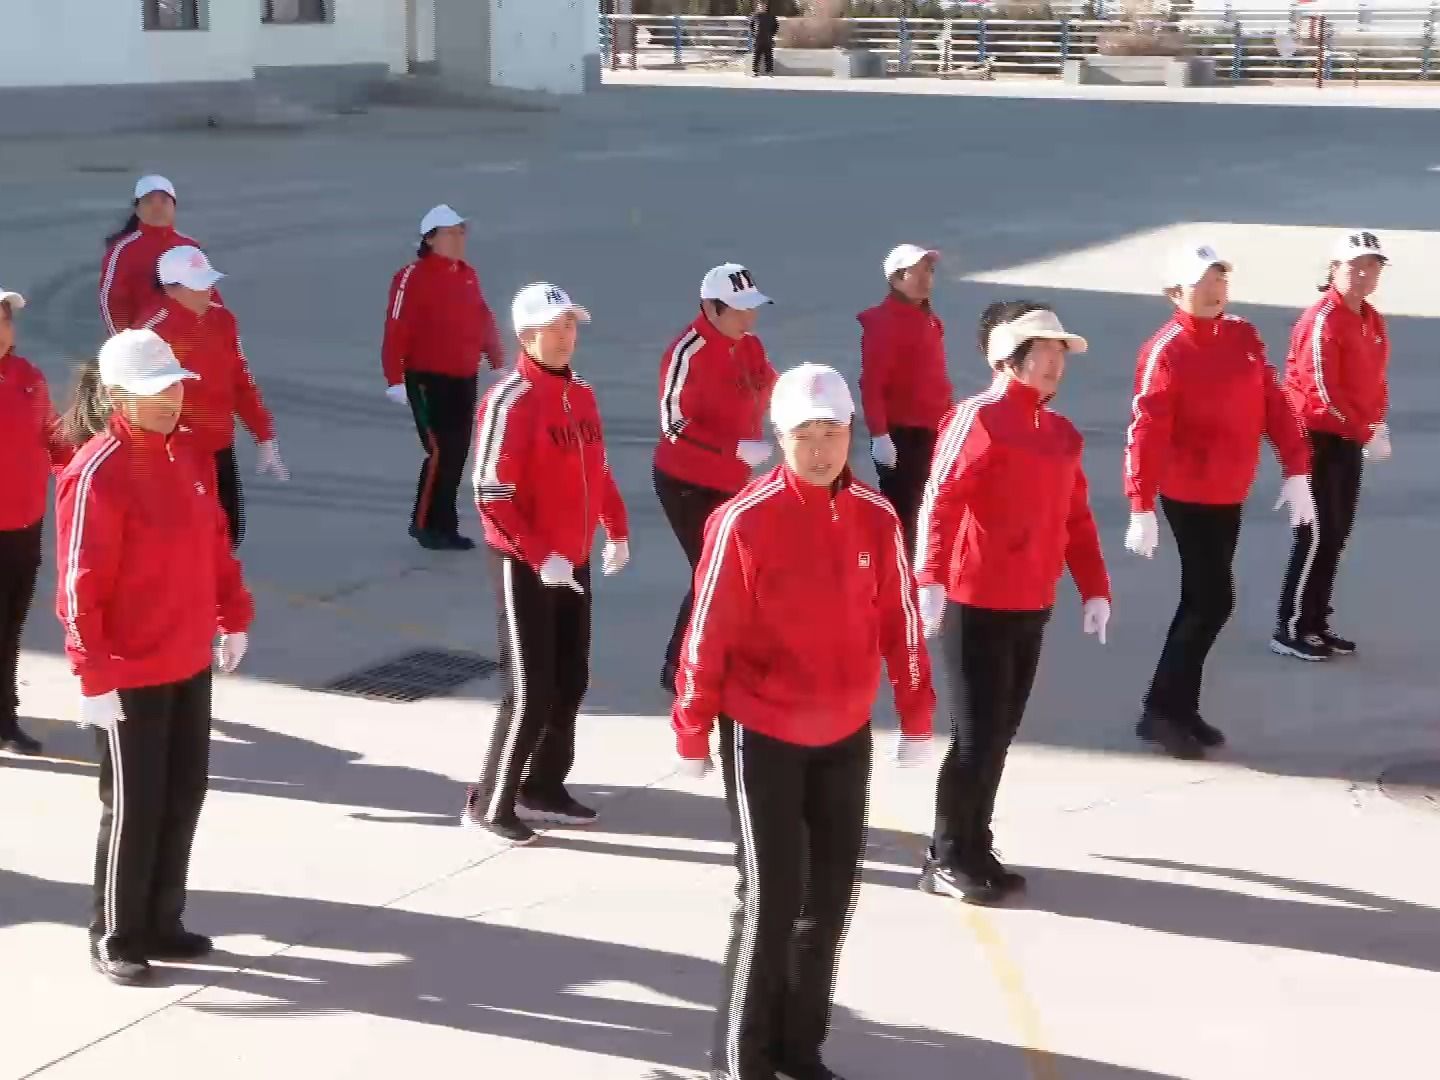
x=1267 y=914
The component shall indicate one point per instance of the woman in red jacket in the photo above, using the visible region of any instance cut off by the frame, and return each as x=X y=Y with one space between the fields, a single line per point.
x=29 y=447
x=127 y=273
x=1337 y=378
x=903 y=382
x=206 y=339
x=1006 y=509
x=542 y=485
x=146 y=581
x=1204 y=399
x=802 y=593
x=715 y=384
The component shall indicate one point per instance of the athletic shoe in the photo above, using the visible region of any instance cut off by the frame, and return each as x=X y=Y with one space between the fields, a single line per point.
x=511 y=830
x=1178 y=741
x=1000 y=874
x=457 y=542
x=814 y=1072
x=561 y=810
x=181 y=945
x=121 y=972
x=13 y=739
x=1205 y=734
x=1338 y=645
x=435 y=541
x=939 y=879
x=1310 y=647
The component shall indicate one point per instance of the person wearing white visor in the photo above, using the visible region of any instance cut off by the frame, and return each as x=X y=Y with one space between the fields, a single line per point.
x=1205 y=398
x=1337 y=375
x=714 y=388
x=801 y=595
x=147 y=581
x=904 y=386
x=207 y=336
x=543 y=486
x=1006 y=510
x=128 y=286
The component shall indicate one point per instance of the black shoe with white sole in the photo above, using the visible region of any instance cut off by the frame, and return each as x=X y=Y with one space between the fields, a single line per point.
x=121 y=971
x=939 y=879
x=179 y=946
x=510 y=829
x=14 y=739
x=1175 y=738
x=1207 y=735
x=1338 y=645
x=1002 y=875
x=1309 y=647
x=554 y=810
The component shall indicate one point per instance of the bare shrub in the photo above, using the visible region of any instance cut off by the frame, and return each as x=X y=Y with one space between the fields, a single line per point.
x=1142 y=42
x=820 y=25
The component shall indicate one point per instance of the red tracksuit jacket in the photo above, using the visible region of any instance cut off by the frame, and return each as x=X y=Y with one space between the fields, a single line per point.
x=437 y=321
x=30 y=445
x=209 y=345
x=1007 y=507
x=801 y=592
x=128 y=282
x=1204 y=398
x=714 y=392
x=903 y=381
x=1336 y=375
x=145 y=573
x=542 y=479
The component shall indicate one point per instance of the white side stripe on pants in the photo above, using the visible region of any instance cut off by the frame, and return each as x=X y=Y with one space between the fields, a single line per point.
x=517 y=714
x=750 y=926
x=117 y=827
x=1297 y=602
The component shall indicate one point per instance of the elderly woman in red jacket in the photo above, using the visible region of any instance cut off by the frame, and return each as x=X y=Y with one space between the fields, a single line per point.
x=1006 y=510
x=29 y=448
x=146 y=582
x=128 y=286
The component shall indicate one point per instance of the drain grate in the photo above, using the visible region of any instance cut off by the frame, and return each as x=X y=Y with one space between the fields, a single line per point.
x=1414 y=783
x=418 y=675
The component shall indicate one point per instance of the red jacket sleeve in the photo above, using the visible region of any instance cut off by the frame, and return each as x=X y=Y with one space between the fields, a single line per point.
x=398 y=327
x=1318 y=357
x=959 y=459
x=493 y=347
x=722 y=603
x=503 y=443
x=901 y=639
x=612 y=509
x=877 y=359
x=56 y=447
x=762 y=377
x=1147 y=440
x=248 y=403
x=687 y=405
x=1283 y=427
x=234 y=607
x=90 y=519
x=117 y=305
x=1082 y=551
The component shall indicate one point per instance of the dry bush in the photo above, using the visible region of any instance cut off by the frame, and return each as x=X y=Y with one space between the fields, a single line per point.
x=821 y=25
x=1143 y=42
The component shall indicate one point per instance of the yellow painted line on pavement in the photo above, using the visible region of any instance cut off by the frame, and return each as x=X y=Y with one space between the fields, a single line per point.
x=1023 y=1012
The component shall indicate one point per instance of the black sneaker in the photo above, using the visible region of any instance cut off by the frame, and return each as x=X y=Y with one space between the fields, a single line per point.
x=1310 y=647
x=561 y=810
x=1338 y=645
x=1002 y=875
x=812 y=1072
x=938 y=879
x=1206 y=735
x=181 y=945
x=511 y=830
x=1177 y=740
x=13 y=739
x=119 y=971
x=456 y=542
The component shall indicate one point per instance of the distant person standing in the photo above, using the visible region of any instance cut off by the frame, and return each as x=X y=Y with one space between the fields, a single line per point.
x=763 y=28
x=128 y=286
x=904 y=386
x=438 y=327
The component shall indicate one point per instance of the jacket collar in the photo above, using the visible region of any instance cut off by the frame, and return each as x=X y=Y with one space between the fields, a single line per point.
x=1197 y=327
x=540 y=376
x=1333 y=295
x=897 y=304
x=707 y=330
x=811 y=495
x=165 y=231
x=136 y=438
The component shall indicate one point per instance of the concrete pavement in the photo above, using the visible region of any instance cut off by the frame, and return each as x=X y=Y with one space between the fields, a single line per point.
x=1267 y=914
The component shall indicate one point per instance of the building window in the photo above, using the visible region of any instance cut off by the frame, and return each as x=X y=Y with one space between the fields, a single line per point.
x=295 y=11
x=172 y=14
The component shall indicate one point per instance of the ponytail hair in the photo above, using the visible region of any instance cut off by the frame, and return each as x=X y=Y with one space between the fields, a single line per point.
x=90 y=406
x=131 y=224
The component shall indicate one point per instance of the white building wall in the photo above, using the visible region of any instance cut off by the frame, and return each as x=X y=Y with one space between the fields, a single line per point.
x=542 y=44
x=361 y=32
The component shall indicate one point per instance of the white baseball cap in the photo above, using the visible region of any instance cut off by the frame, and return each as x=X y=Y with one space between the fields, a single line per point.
x=810 y=392
x=14 y=299
x=1189 y=262
x=187 y=266
x=905 y=256
x=541 y=304
x=732 y=285
x=1007 y=337
x=438 y=218
x=141 y=363
x=1357 y=244
x=147 y=185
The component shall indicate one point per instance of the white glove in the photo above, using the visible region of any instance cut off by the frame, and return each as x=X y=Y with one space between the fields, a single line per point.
x=102 y=711
x=1295 y=492
x=231 y=651
x=1378 y=448
x=932 y=608
x=268 y=461
x=558 y=570
x=397 y=394
x=1096 y=617
x=615 y=557
x=753 y=451
x=695 y=768
x=911 y=751
x=882 y=450
x=1143 y=535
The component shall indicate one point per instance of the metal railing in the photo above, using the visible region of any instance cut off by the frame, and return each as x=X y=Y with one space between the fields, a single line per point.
x=1245 y=45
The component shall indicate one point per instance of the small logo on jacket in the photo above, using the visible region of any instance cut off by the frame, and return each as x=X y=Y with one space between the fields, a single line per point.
x=864 y=560
x=199 y=487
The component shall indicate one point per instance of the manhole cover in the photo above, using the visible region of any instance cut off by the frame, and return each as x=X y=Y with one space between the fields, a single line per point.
x=415 y=676
x=1414 y=783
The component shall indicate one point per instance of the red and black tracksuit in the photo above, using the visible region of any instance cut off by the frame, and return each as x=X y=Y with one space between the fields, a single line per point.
x=209 y=345
x=129 y=275
x=1205 y=396
x=542 y=485
x=1337 y=379
x=437 y=328
x=905 y=392
x=1006 y=511
x=146 y=580
x=30 y=448
x=714 y=391
x=801 y=594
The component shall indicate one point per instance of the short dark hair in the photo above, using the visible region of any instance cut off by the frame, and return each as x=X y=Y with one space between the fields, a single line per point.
x=424 y=248
x=1004 y=311
x=720 y=306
